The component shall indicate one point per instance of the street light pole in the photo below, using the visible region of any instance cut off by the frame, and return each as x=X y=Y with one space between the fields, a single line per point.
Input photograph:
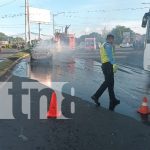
x=28 y=17
x=25 y=22
x=53 y=24
x=54 y=15
x=39 y=31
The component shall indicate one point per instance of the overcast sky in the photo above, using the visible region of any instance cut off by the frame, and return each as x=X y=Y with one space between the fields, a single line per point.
x=84 y=15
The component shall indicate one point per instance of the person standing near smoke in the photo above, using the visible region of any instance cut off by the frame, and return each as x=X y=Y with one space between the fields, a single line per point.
x=109 y=68
x=66 y=29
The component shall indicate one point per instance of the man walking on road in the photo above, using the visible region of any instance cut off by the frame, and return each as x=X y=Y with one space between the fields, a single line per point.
x=109 y=68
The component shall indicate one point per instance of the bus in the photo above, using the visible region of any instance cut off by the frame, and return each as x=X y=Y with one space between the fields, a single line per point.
x=146 y=24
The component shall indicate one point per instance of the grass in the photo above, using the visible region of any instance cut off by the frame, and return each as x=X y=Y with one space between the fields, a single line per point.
x=4 y=66
x=18 y=55
x=7 y=64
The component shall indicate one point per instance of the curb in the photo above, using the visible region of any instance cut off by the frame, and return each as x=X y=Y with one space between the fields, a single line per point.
x=12 y=65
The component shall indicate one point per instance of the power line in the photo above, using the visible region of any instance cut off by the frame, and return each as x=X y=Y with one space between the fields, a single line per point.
x=11 y=27
x=8 y=3
x=11 y=15
x=11 y=24
x=105 y=11
x=71 y=12
x=102 y=18
x=124 y=9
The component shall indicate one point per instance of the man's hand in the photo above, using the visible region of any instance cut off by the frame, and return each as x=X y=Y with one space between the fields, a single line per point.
x=115 y=68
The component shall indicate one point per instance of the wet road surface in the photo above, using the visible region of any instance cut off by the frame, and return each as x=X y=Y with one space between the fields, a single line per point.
x=89 y=128
x=85 y=75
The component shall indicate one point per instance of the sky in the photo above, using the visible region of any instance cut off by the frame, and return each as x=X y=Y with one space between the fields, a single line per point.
x=84 y=16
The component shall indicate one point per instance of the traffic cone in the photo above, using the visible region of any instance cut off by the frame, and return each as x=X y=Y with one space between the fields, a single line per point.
x=144 y=107
x=53 y=107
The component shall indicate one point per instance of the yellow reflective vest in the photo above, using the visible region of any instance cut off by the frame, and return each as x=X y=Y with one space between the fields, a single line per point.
x=103 y=54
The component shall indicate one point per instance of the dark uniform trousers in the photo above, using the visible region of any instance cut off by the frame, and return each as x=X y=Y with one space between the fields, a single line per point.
x=108 y=83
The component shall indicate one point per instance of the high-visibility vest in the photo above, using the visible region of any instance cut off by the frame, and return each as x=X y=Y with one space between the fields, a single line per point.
x=103 y=54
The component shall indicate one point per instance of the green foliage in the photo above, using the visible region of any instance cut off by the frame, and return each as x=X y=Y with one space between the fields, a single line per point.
x=118 y=33
x=3 y=37
x=5 y=64
x=18 y=40
x=96 y=35
x=18 y=55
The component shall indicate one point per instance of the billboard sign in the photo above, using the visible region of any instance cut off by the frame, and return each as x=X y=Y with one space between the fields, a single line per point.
x=126 y=37
x=39 y=15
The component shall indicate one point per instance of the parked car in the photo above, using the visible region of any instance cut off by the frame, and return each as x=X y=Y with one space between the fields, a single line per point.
x=126 y=45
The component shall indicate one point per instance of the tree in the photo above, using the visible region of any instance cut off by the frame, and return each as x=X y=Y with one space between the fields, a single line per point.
x=18 y=40
x=95 y=35
x=118 y=33
x=3 y=37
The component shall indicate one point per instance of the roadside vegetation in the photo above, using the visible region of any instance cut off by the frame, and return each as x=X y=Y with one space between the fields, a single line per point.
x=18 y=56
x=7 y=64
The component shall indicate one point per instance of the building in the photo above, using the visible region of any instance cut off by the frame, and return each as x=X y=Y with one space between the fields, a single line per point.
x=3 y=43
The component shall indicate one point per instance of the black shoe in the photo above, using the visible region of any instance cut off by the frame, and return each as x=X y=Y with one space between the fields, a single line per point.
x=113 y=104
x=95 y=100
x=116 y=102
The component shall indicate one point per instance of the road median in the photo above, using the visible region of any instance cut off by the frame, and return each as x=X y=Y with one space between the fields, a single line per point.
x=11 y=61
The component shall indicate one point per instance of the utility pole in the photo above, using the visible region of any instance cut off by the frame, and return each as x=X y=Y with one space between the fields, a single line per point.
x=54 y=15
x=62 y=28
x=39 y=31
x=28 y=17
x=25 y=22
x=53 y=24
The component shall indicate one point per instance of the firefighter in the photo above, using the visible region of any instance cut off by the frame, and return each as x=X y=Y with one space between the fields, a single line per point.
x=109 y=68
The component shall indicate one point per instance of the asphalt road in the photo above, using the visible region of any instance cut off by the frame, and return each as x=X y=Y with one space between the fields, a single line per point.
x=82 y=70
x=89 y=127
x=125 y=56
